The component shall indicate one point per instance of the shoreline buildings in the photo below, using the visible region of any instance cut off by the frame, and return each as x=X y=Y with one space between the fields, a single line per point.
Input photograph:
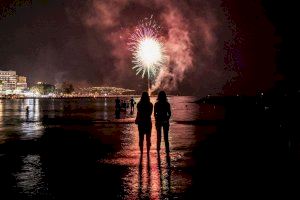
x=104 y=91
x=21 y=83
x=11 y=83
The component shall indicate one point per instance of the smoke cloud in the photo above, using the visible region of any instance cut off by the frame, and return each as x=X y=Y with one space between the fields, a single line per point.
x=189 y=37
x=215 y=46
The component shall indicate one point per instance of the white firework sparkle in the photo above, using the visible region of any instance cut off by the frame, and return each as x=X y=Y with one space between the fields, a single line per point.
x=147 y=49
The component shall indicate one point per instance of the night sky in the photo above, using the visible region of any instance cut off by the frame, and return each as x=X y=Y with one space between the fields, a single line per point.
x=215 y=47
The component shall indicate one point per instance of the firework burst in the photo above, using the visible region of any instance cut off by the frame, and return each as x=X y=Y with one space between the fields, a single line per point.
x=147 y=49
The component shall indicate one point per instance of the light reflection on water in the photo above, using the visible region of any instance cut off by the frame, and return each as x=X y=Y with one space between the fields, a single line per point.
x=30 y=177
x=161 y=175
x=158 y=177
x=151 y=177
x=18 y=122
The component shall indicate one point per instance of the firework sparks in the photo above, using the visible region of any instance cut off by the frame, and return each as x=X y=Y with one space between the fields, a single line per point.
x=147 y=49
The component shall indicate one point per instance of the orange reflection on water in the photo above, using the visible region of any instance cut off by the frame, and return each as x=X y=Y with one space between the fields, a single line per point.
x=144 y=177
x=154 y=177
x=148 y=176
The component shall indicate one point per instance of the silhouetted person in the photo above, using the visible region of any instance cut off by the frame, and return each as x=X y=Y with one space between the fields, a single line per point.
x=132 y=102
x=27 y=109
x=162 y=114
x=143 y=120
x=121 y=105
x=124 y=105
x=117 y=108
x=27 y=112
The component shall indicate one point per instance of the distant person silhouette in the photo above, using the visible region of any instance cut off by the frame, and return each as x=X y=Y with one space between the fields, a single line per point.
x=162 y=114
x=124 y=106
x=117 y=108
x=132 y=102
x=27 y=112
x=27 y=109
x=121 y=105
x=143 y=120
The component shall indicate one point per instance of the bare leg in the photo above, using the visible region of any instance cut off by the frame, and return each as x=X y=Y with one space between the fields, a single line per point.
x=148 y=138
x=141 y=139
x=158 y=129
x=166 y=136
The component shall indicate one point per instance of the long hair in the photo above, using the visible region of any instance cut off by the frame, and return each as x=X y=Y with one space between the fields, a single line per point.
x=145 y=98
x=162 y=96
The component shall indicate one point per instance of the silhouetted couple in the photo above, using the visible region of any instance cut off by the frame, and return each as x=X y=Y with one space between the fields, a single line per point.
x=162 y=114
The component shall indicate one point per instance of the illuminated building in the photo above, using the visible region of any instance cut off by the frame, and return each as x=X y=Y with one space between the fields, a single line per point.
x=104 y=91
x=8 y=80
x=21 y=83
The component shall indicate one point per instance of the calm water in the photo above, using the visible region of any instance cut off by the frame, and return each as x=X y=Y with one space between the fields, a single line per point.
x=63 y=148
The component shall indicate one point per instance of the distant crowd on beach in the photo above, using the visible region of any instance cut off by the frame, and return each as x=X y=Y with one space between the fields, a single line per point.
x=123 y=105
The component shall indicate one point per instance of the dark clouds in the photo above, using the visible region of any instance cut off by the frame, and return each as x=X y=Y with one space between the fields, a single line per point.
x=213 y=46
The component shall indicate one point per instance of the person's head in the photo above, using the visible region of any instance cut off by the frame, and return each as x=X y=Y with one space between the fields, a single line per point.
x=145 y=98
x=162 y=96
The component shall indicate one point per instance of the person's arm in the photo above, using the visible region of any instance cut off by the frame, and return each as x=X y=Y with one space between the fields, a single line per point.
x=155 y=110
x=169 y=111
x=137 y=118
